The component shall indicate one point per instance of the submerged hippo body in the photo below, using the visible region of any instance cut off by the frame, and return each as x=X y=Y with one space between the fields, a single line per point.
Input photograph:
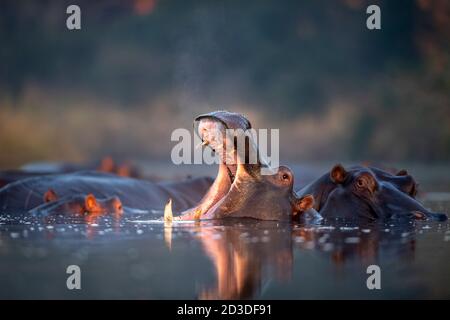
x=367 y=193
x=21 y=196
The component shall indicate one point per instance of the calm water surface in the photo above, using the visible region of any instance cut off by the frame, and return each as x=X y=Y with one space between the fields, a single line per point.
x=140 y=258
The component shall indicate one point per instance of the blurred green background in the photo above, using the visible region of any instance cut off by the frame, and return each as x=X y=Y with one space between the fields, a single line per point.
x=138 y=69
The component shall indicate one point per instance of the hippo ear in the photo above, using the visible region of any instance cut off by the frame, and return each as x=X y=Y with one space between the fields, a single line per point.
x=338 y=174
x=90 y=202
x=305 y=203
x=50 y=195
x=106 y=164
x=402 y=172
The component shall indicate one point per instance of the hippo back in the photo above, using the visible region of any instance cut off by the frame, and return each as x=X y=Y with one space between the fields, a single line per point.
x=23 y=195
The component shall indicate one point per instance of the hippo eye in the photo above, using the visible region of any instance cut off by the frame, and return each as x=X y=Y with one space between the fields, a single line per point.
x=285 y=176
x=360 y=183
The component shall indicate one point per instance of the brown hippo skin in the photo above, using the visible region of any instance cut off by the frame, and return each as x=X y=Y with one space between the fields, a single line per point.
x=23 y=195
x=240 y=188
x=367 y=193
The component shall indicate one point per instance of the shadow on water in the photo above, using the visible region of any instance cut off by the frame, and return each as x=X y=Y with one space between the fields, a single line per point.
x=137 y=257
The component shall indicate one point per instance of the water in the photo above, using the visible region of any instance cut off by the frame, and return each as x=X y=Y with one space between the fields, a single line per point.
x=140 y=258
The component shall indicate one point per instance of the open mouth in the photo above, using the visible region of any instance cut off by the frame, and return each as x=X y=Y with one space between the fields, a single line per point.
x=237 y=179
x=212 y=132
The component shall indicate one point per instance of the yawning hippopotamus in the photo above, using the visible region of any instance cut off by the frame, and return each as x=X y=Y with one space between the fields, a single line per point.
x=367 y=193
x=240 y=188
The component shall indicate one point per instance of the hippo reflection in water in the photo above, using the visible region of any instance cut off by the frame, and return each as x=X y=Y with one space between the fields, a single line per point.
x=247 y=257
x=368 y=193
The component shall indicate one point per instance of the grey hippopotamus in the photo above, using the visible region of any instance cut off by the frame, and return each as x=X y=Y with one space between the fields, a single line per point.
x=367 y=193
x=24 y=195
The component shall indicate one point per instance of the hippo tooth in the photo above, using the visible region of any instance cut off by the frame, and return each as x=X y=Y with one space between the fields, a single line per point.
x=168 y=215
x=197 y=214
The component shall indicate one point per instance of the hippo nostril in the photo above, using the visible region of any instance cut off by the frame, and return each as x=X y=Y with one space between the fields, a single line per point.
x=360 y=183
x=419 y=215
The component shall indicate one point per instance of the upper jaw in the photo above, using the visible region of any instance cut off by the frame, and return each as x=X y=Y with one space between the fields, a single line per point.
x=228 y=119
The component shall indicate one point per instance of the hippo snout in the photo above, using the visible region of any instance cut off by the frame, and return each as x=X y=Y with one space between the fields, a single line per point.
x=437 y=216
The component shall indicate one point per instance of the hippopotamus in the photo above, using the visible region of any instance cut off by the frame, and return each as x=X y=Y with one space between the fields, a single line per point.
x=77 y=205
x=26 y=194
x=367 y=193
x=240 y=189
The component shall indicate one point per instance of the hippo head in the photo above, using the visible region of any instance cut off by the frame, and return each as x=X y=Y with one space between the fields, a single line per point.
x=372 y=194
x=338 y=175
x=242 y=188
x=265 y=197
x=78 y=205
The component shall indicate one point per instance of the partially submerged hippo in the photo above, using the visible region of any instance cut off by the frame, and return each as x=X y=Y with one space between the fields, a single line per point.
x=26 y=194
x=367 y=193
x=240 y=188
x=77 y=205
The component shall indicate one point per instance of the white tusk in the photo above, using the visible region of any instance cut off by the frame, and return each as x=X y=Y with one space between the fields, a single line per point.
x=168 y=215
